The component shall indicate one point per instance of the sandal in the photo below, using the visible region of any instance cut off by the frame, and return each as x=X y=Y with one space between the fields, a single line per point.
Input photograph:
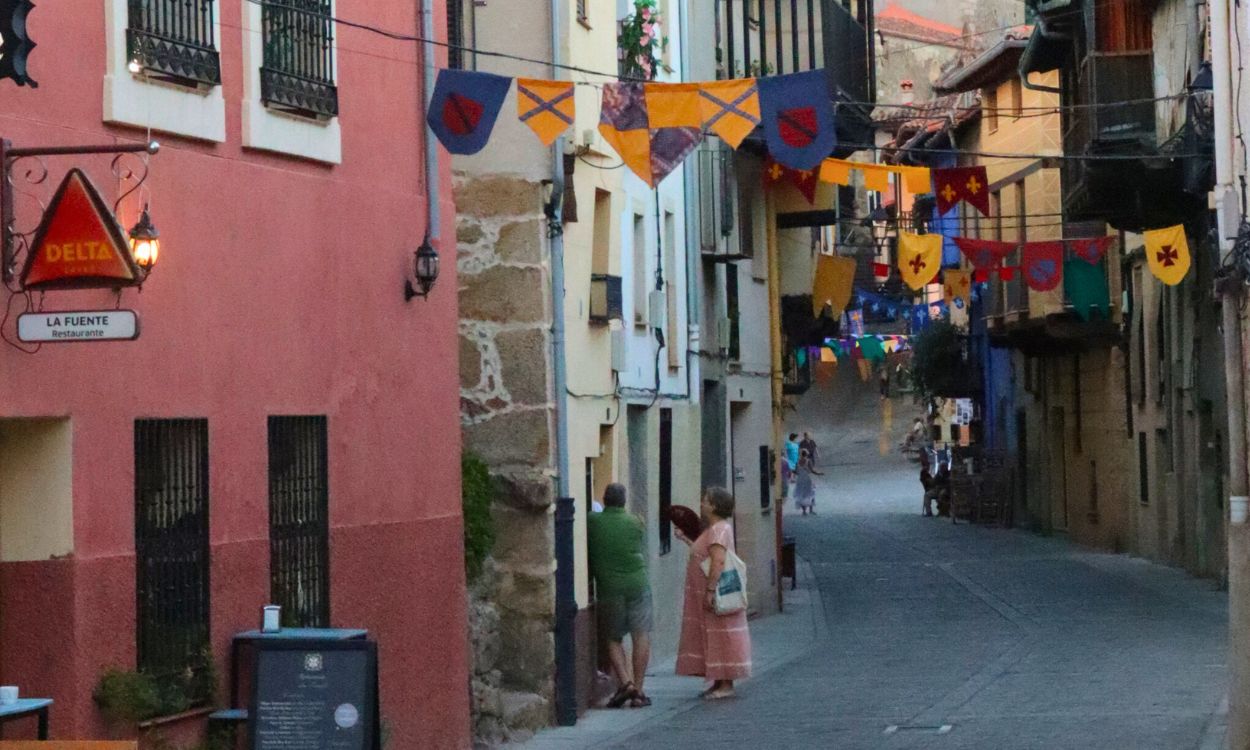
x=719 y=694
x=622 y=694
x=639 y=700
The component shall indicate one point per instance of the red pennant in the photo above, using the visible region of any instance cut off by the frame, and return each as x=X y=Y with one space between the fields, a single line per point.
x=881 y=270
x=981 y=276
x=803 y=180
x=984 y=254
x=962 y=183
x=1092 y=249
x=1043 y=265
x=1008 y=273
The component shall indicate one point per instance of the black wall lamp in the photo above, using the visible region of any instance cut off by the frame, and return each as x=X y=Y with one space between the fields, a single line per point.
x=145 y=242
x=425 y=268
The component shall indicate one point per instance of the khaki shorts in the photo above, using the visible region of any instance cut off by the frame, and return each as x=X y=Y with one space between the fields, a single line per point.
x=623 y=615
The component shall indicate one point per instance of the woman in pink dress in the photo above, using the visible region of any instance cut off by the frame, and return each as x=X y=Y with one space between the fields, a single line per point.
x=715 y=647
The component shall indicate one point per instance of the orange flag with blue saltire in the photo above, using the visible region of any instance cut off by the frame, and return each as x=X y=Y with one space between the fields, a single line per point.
x=1167 y=252
x=547 y=107
x=730 y=109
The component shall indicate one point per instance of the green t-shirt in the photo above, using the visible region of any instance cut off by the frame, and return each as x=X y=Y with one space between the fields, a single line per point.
x=615 y=539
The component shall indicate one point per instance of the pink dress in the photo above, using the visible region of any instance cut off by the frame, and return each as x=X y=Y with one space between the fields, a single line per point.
x=712 y=646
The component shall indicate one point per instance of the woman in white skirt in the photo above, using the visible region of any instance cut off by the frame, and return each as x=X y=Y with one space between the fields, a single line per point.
x=804 y=491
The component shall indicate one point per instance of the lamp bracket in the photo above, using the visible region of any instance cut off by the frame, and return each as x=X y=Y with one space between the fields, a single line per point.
x=10 y=155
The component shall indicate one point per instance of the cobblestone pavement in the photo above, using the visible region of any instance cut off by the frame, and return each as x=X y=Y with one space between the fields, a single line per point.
x=942 y=636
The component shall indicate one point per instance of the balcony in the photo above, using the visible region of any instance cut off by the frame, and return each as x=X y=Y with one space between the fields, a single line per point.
x=774 y=37
x=297 y=75
x=796 y=375
x=173 y=41
x=605 y=299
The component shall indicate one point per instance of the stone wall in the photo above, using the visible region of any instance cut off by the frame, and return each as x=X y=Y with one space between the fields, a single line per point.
x=507 y=420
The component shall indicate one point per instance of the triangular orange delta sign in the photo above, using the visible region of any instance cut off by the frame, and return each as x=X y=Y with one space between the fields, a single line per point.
x=79 y=243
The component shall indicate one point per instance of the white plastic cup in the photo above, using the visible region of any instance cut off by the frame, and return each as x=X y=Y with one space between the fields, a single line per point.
x=8 y=695
x=1238 y=509
x=271 y=620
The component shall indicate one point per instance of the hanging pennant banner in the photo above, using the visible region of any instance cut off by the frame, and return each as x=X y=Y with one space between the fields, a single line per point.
x=1091 y=250
x=797 y=116
x=1085 y=287
x=919 y=258
x=1008 y=273
x=957 y=285
x=881 y=272
x=876 y=177
x=1167 y=252
x=1043 y=265
x=464 y=107
x=547 y=107
x=961 y=183
x=834 y=278
x=652 y=146
x=803 y=180
x=730 y=109
x=984 y=254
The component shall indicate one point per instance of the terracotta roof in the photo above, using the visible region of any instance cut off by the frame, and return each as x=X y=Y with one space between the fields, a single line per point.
x=916 y=125
x=900 y=22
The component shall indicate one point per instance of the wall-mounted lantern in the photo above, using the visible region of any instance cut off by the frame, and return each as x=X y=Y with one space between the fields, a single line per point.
x=145 y=242
x=425 y=268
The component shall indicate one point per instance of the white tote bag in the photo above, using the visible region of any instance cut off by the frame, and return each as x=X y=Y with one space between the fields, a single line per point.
x=731 y=589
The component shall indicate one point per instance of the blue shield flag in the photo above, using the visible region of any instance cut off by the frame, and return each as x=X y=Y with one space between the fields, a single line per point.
x=797 y=116
x=463 y=109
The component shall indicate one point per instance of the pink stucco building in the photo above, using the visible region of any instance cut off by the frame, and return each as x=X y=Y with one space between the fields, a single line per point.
x=285 y=428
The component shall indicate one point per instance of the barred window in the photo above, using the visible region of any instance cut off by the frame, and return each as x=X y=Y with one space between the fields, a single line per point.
x=455 y=34
x=299 y=527
x=172 y=554
x=174 y=41
x=297 y=72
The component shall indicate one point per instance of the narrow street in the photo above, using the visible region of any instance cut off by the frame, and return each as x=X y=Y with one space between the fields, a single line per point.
x=955 y=636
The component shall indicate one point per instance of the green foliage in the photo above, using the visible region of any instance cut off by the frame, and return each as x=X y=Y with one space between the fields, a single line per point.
x=128 y=697
x=477 y=492
x=937 y=363
x=640 y=43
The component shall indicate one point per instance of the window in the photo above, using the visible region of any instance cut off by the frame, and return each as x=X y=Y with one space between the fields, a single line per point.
x=299 y=523
x=172 y=554
x=732 y=310
x=297 y=71
x=174 y=40
x=639 y=271
x=996 y=213
x=1143 y=471
x=990 y=106
x=582 y=17
x=455 y=34
x=666 y=480
x=601 y=253
x=670 y=289
x=1017 y=97
x=605 y=289
x=1022 y=212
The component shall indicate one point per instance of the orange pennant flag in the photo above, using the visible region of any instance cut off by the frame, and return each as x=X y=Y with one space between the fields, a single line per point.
x=730 y=109
x=673 y=105
x=836 y=171
x=835 y=276
x=919 y=258
x=547 y=107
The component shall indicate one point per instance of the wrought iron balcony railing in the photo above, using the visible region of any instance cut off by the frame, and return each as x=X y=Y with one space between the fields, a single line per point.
x=174 y=40
x=605 y=298
x=297 y=75
x=772 y=37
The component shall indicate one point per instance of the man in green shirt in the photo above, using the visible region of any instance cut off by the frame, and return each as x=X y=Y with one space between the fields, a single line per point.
x=616 y=541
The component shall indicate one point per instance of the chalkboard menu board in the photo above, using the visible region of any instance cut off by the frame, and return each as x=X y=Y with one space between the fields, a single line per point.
x=315 y=695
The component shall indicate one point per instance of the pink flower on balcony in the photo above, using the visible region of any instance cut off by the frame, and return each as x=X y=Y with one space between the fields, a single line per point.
x=645 y=40
x=646 y=14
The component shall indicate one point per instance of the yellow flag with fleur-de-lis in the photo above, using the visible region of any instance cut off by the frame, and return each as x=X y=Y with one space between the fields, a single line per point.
x=919 y=258
x=1167 y=252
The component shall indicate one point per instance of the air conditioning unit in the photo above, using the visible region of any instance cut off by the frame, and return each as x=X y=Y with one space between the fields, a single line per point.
x=657 y=309
x=618 y=350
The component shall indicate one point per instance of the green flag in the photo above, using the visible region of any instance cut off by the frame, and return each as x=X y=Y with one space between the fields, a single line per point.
x=1085 y=286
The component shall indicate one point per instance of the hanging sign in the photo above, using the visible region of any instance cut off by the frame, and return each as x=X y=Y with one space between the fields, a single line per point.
x=79 y=243
x=78 y=325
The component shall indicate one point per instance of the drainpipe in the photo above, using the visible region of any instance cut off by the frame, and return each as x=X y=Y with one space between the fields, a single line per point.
x=694 y=338
x=774 y=328
x=566 y=597
x=1238 y=534
x=1026 y=59
x=432 y=185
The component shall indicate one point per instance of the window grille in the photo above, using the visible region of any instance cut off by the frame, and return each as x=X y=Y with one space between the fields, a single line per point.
x=172 y=554
x=299 y=527
x=455 y=34
x=581 y=11
x=297 y=72
x=666 y=481
x=173 y=40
